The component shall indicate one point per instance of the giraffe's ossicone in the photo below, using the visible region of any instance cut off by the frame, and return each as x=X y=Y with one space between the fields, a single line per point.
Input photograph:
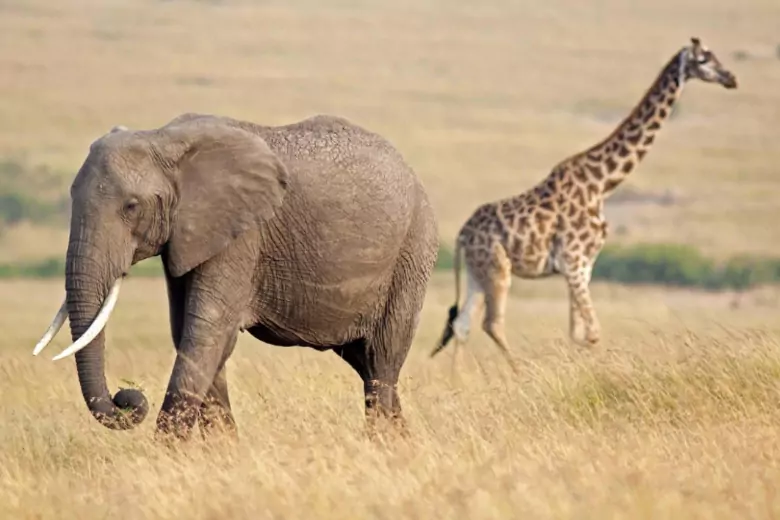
x=558 y=226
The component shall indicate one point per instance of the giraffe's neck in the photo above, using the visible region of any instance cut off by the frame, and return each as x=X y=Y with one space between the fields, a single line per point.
x=610 y=161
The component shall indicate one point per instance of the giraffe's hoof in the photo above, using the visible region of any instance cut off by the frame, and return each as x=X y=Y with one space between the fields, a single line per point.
x=461 y=331
x=593 y=338
x=590 y=341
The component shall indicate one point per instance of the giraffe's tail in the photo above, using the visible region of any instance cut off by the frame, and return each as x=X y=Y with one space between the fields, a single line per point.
x=449 y=332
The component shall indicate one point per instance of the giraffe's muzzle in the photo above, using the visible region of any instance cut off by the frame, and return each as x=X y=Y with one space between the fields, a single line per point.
x=727 y=79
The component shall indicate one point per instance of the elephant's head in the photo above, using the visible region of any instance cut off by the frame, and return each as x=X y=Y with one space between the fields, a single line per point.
x=187 y=189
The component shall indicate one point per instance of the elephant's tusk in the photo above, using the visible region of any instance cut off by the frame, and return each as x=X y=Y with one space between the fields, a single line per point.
x=54 y=328
x=97 y=325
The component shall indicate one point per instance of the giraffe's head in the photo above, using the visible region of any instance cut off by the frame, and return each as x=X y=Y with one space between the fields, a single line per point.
x=701 y=63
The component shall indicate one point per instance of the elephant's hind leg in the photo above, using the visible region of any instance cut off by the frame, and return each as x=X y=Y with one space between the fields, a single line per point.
x=379 y=358
x=380 y=382
x=388 y=350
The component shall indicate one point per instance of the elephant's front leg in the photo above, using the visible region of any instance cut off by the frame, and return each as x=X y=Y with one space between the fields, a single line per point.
x=215 y=413
x=207 y=336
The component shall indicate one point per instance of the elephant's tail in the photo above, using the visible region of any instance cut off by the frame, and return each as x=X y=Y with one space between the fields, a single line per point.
x=449 y=332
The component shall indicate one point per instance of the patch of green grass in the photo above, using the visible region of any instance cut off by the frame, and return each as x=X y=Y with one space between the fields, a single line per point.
x=55 y=268
x=31 y=193
x=683 y=266
x=645 y=264
x=672 y=265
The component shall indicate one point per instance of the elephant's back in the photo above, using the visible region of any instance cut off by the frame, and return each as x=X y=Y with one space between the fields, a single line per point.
x=351 y=210
x=341 y=171
x=360 y=153
x=340 y=150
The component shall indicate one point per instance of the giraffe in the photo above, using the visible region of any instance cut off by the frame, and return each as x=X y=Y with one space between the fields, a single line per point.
x=558 y=227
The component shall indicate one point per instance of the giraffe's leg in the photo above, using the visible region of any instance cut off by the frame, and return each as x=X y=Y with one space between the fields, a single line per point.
x=584 y=324
x=576 y=320
x=474 y=303
x=496 y=288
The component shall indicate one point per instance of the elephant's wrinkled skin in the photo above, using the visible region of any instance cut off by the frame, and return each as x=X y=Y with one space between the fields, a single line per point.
x=315 y=234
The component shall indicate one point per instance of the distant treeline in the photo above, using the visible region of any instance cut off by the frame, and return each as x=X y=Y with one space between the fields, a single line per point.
x=55 y=268
x=33 y=194
x=647 y=264
x=39 y=195
x=673 y=265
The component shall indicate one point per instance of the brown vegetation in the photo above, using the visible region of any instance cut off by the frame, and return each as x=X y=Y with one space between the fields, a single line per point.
x=676 y=416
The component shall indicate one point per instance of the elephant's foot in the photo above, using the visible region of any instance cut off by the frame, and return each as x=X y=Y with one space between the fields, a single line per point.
x=172 y=431
x=217 y=422
x=381 y=425
x=386 y=429
x=216 y=417
x=175 y=422
x=384 y=419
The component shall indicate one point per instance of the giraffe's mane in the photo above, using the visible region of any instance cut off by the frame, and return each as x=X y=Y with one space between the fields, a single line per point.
x=671 y=67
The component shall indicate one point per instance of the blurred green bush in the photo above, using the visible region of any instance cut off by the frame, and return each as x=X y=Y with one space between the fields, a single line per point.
x=672 y=265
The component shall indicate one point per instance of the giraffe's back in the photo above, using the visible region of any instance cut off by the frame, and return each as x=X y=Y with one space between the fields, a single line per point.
x=521 y=231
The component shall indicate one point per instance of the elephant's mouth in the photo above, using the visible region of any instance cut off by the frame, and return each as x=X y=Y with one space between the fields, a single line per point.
x=91 y=333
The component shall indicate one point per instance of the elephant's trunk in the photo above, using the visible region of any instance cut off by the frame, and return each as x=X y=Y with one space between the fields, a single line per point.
x=86 y=293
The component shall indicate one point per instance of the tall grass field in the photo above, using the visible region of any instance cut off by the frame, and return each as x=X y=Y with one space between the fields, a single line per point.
x=675 y=415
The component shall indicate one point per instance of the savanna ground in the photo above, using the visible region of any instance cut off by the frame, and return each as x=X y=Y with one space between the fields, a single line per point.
x=675 y=416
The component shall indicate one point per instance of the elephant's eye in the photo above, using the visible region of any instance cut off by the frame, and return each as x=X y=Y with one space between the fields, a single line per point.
x=131 y=206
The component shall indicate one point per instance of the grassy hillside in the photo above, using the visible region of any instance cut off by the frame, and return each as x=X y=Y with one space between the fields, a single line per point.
x=481 y=98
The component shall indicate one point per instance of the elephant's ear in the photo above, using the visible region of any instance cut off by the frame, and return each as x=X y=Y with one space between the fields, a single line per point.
x=229 y=181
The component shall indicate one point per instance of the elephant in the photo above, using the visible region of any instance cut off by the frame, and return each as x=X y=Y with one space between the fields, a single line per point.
x=314 y=234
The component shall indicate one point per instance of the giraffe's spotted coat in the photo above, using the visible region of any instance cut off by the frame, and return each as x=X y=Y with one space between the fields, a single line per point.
x=558 y=226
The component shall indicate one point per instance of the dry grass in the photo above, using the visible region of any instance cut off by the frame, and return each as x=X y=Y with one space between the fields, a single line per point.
x=482 y=98
x=676 y=417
